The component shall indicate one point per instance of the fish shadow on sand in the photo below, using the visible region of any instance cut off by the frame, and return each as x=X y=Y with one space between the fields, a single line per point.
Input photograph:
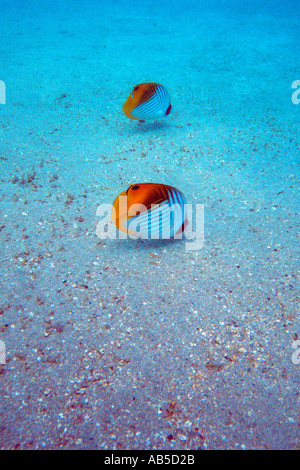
x=148 y=245
x=156 y=126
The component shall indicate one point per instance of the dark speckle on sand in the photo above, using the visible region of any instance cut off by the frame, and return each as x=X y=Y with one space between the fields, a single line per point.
x=114 y=344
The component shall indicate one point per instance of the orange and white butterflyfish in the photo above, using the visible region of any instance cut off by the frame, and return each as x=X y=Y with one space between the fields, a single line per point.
x=147 y=102
x=150 y=211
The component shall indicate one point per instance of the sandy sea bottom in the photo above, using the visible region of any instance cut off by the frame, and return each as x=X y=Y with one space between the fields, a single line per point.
x=135 y=344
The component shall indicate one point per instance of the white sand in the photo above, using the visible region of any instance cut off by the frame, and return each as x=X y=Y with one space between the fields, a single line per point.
x=143 y=345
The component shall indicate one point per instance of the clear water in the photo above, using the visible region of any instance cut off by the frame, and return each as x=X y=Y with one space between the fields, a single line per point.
x=114 y=344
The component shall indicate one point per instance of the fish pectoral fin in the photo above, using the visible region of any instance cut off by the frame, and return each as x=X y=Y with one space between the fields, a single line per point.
x=128 y=106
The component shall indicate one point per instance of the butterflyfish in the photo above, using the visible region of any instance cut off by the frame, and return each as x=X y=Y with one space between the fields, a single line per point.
x=150 y=211
x=147 y=102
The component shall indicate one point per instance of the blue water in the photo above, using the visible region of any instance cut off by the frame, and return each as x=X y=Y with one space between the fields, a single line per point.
x=114 y=344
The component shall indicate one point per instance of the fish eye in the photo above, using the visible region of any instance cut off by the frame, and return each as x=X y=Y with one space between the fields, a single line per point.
x=136 y=88
x=135 y=187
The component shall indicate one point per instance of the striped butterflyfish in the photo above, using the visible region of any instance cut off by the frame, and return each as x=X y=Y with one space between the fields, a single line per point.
x=147 y=102
x=150 y=211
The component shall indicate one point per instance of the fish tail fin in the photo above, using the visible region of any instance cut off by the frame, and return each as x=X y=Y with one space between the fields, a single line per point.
x=183 y=227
